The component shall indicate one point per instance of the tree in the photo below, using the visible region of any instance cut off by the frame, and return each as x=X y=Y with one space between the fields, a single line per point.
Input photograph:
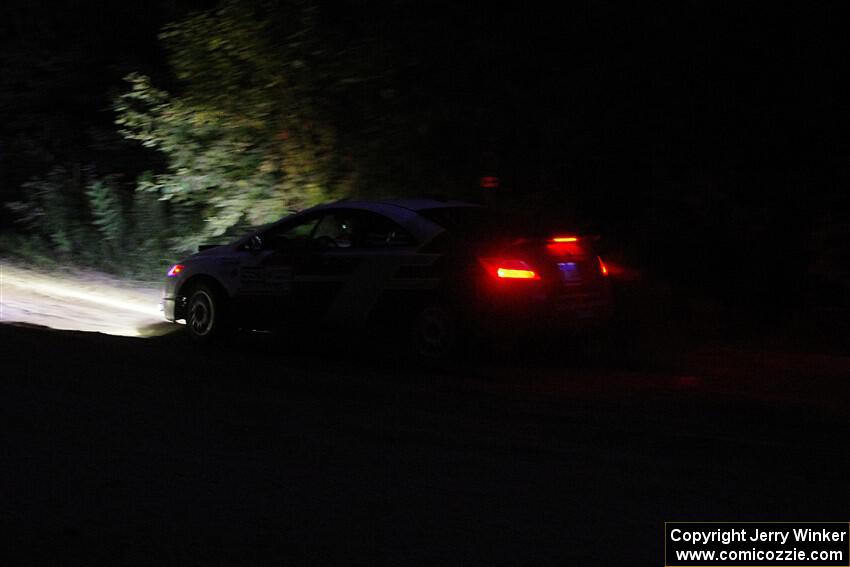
x=250 y=133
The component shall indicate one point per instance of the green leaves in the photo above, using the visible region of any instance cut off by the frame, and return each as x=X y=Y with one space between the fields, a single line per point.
x=72 y=216
x=107 y=212
x=248 y=137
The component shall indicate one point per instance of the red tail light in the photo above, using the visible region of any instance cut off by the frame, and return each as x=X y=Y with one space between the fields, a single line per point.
x=175 y=270
x=561 y=239
x=603 y=269
x=517 y=274
x=509 y=269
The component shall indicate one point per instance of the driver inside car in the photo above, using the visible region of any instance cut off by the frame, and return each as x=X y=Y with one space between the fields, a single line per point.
x=339 y=232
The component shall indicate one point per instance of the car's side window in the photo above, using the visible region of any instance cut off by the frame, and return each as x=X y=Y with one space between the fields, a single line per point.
x=341 y=228
x=361 y=229
x=336 y=229
x=290 y=235
x=380 y=232
x=301 y=231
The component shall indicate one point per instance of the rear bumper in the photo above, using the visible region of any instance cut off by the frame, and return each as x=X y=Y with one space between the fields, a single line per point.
x=580 y=314
x=581 y=306
x=577 y=313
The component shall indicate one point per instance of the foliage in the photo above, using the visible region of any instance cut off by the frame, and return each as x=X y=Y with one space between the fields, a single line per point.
x=272 y=109
x=107 y=213
x=50 y=209
x=250 y=134
x=70 y=215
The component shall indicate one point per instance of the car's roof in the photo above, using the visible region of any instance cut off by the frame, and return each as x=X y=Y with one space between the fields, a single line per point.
x=425 y=204
x=414 y=205
x=403 y=211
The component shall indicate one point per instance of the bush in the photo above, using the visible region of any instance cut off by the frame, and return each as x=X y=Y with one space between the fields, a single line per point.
x=73 y=217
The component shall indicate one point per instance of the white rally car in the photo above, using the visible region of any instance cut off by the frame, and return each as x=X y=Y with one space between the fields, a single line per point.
x=430 y=271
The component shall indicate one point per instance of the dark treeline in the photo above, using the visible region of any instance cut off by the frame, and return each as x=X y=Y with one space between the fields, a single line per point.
x=706 y=140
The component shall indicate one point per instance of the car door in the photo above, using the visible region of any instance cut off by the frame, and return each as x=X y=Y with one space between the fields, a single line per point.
x=265 y=287
x=361 y=252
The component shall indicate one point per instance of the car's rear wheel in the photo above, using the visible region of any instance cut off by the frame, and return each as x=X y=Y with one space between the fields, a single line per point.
x=435 y=334
x=207 y=319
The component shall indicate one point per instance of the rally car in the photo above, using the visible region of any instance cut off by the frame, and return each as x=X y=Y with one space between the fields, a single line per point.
x=429 y=272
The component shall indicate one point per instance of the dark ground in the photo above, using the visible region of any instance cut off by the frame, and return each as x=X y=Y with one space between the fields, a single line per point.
x=149 y=451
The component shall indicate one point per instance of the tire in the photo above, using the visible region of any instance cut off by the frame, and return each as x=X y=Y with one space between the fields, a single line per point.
x=207 y=319
x=434 y=337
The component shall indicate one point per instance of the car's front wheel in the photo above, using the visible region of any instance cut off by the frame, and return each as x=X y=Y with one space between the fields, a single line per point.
x=206 y=315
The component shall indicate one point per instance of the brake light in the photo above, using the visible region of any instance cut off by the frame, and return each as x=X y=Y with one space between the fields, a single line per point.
x=175 y=270
x=603 y=269
x=517 y=274
x=509 y=269
x=564 y=246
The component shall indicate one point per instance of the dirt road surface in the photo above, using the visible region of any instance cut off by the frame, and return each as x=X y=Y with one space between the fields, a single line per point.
x=80 y=301
x=132 y=451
